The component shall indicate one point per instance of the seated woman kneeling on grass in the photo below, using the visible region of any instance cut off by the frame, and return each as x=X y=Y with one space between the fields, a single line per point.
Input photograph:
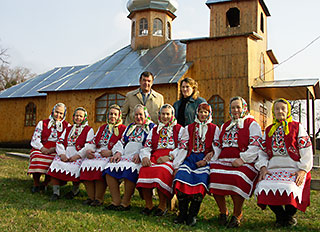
x=158 y=161
x=70 y=152
x=125 y=163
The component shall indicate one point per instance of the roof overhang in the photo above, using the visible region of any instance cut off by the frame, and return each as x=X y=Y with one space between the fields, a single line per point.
x=289 y=89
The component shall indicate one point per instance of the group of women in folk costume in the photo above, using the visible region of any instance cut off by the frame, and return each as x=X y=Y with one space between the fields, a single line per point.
x=190 y=162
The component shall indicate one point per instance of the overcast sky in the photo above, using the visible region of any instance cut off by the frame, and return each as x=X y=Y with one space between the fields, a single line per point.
x=43 y=34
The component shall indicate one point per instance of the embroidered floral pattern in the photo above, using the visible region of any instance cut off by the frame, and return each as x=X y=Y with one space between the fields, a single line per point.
x=278 y=145
x=304 y=142
x=198 y=146
x=255 y=141
x=230 y=138
x=281 y=176
x=183 y=144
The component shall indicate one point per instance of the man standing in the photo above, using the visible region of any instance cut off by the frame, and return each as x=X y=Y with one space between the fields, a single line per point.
x=145 y=96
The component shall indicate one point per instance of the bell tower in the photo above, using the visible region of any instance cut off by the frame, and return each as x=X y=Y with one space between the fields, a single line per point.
x=151 y=22
x=235 y=17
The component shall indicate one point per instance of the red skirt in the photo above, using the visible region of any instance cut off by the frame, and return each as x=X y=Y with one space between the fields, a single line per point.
x=91 y=175
x=264 y=199
x=228 y=180
x=40 y=163
x=158 y=176
x=63 y=176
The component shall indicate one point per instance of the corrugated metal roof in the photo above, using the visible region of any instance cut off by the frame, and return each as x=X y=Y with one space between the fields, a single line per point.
x=306 y=82
x=122 y=69
x=262 y=3
x=29 y=88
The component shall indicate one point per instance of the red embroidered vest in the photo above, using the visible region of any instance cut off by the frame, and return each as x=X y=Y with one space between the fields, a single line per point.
x=155 y=136
x=291 y=141
x=81 y=140
x=47 y=131
x=113 y=140
x=209 y=137
x=243 y=134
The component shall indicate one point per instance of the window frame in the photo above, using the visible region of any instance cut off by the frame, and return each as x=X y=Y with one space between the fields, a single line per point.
x=30 y=114
x=215 y=101
x=157 y=26
x=143 y=27
x=108 y=102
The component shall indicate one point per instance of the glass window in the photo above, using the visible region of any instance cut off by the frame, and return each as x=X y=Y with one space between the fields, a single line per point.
x=157 y=27
x=263 y=117
x=261 y=22
x=104 y=102
x=143 y=26
x=168 y=31
x=262 y=67
x=233 y=17
x=30 y=119
x=217 y=105
x=133 y=29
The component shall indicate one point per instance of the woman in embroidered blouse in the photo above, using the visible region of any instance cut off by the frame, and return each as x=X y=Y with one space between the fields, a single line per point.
x=43 y=144
x=192 y=179
x=98 y=152
x=70 y=152
x=125 y=163
x=158 y=161
x=285 y=164
x=233 y=173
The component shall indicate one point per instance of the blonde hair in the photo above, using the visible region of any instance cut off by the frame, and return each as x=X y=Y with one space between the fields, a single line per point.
x=194 y=86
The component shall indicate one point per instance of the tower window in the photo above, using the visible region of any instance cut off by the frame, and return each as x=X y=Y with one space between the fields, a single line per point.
x=233 y=17
x=157 y=27
x=143 y=26
x=104 y=102
x=133 y=29
x=168 y=30
x=217 y=105
x=261 y=22
x=31 y=110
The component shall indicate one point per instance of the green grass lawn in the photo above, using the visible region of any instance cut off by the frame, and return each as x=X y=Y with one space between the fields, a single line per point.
x=22 y=211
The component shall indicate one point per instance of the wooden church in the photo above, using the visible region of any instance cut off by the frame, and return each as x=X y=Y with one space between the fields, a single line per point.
x=234 y=60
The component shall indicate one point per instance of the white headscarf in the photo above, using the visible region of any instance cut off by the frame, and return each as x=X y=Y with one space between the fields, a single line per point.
x=53 y=122
x=170 y=124
x=84 y=123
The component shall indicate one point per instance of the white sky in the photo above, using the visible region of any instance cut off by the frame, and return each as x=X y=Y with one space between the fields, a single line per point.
x=43 y=34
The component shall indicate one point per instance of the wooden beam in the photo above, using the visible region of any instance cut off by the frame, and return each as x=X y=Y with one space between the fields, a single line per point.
x=313 y=127
x=308 y=112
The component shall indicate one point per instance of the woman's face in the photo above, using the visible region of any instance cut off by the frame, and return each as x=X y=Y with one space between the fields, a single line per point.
x=58 y=113
x=166 y=115
x=281 y=111
x=203 y=115
x=139 y=116
x=236 y=108
x=186 y=89
x=113 y=116
x=78 y=117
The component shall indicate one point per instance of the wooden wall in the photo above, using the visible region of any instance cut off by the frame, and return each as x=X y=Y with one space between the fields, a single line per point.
x=220 y=67
x=12 y=117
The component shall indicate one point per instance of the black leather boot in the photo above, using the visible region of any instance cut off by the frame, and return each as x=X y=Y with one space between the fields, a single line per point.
x=193 y=211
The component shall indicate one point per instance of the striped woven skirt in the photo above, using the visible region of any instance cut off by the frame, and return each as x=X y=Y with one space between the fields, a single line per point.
x=158 y=176
x=40 y=163
x=228 y=180
x=190 y=179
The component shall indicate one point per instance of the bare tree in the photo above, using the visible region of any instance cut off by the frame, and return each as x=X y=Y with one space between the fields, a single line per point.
x=11 y=76
x=297 y=111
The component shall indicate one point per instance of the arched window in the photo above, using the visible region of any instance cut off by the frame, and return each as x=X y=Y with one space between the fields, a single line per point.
x=143 y=26
x=133 y=29
x=262 y=22
x=103 y=103
x=233 y=17
x=262 y=67
x=217 y=105
x=157 y=27
x=30 y=119
x=168 y=30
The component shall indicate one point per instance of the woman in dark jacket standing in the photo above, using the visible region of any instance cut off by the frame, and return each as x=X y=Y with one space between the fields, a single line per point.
x=185 y=108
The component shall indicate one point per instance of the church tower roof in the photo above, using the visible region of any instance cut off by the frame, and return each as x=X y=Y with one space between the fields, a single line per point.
x=166 y=5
